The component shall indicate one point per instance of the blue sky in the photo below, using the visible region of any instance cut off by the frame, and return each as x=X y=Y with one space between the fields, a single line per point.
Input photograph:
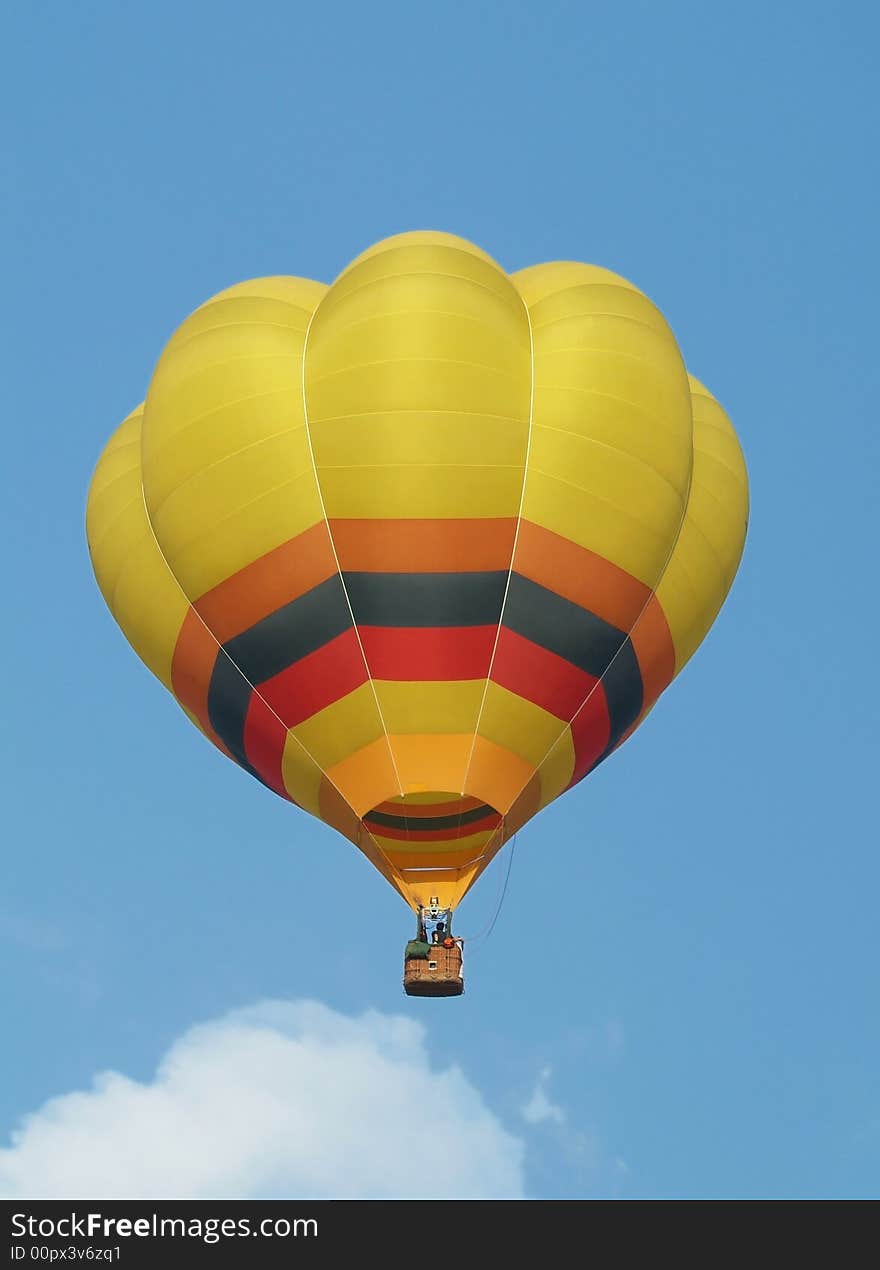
x=697 y=994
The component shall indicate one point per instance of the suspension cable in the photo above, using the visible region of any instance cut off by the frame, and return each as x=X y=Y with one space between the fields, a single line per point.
x=487 y=930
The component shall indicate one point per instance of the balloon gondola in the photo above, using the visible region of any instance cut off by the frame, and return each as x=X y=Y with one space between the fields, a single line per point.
x=419 y=549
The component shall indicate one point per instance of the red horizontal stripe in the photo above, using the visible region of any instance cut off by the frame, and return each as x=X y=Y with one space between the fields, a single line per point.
x=539 y=676
x=590 y=730
x=428 y=652
x=413 y=811
x=433 y=835
x=317 y=680
x=264 y=737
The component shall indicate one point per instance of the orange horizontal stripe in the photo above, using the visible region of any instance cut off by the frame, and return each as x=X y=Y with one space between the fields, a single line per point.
x=415 y=835
x=652 y=641
x=424 y=546
x=269 y=583
x=579 y=575
x=191 y=668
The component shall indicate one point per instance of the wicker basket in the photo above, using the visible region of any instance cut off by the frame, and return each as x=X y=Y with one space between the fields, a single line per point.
x=437 y=975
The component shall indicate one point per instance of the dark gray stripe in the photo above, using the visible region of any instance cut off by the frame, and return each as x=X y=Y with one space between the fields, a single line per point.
x=415 y=823
x=586 y=641
x=229 y=695
x=622 y=682
x=291 y=632
x=426 y=599
x=564 y=628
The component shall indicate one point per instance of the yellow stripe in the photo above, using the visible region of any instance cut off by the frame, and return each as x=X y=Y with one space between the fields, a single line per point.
x=465 y=848
x=341 y=728
x=518 y=725
x=449 y=706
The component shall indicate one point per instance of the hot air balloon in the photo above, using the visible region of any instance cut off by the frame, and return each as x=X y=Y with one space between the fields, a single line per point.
x=418 y=550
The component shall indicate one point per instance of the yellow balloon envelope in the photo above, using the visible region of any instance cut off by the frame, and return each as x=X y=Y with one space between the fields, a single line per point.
x=420 y=549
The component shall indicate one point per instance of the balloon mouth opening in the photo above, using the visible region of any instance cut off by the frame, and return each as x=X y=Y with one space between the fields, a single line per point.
x=432 y=817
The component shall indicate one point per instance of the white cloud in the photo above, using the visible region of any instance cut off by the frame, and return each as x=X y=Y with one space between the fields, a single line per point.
x=287 y=1099
x=539 y=1108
